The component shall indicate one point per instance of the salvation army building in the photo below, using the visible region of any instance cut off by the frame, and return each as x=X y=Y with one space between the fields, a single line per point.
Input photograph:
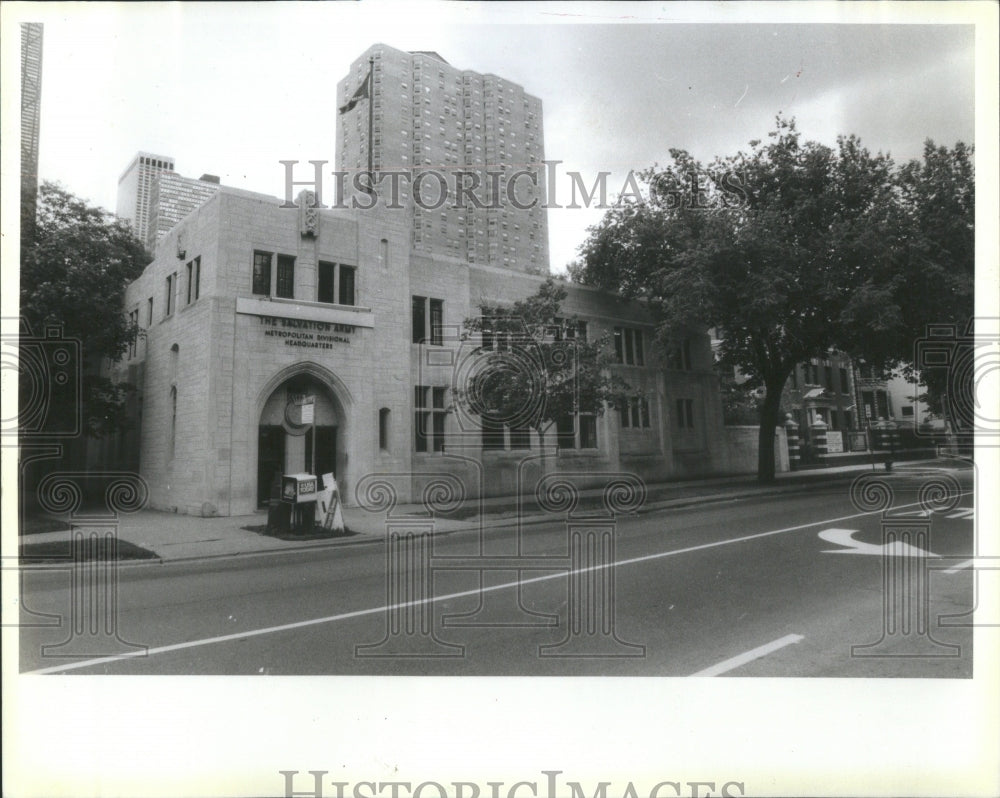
x=301 y=339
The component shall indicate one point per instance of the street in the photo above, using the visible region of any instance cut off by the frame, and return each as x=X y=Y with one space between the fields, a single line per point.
x=795 y=585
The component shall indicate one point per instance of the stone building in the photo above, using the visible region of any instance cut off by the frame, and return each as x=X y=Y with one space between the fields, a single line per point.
x=249 y=305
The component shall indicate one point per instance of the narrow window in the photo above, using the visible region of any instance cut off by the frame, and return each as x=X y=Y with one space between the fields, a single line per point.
x=520 y=437
x=588 y=431
x=190 y=281
x=324 y=287
x=149 y=313
x=286 y=277
x=347 y=285
x=170 y=293
x=383 y=429
x=565 y=433
x=420 y=417
x=173 y=422
x=197 y=277
x=437 y=322
x=262 y=273
x=419 y=308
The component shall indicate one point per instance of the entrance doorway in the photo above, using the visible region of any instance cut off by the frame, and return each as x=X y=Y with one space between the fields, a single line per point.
x=286 y=445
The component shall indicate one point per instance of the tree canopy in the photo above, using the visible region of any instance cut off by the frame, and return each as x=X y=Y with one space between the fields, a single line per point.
x=793 y=249
x=74 y=272
x=536 y=367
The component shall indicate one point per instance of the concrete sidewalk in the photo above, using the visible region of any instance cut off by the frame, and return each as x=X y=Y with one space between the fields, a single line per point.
x=175 y=538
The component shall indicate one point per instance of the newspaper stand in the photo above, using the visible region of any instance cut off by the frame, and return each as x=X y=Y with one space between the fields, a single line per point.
x=299 y=491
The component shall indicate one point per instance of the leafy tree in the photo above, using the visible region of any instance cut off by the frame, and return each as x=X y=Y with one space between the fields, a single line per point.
x=74 y=271
x=533 y=366
x=792 y=249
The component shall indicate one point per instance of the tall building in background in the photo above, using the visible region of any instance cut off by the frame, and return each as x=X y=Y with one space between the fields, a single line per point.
x=428 y=116
x=172 y=198
x=31 y=101
x=135 y=189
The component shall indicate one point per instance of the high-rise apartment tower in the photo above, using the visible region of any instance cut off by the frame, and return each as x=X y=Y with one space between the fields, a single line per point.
x=470 y=144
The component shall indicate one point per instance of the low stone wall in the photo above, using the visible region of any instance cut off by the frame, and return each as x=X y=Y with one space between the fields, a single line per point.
x=741 y=450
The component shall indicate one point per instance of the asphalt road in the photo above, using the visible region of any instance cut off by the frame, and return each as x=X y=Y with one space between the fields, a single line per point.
x=753 y=587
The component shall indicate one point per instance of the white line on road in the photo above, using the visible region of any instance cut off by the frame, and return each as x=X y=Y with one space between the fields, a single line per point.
x=433 y=599
x=749 y=656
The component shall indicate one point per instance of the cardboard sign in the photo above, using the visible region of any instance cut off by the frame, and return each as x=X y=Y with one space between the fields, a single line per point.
x=328 y=505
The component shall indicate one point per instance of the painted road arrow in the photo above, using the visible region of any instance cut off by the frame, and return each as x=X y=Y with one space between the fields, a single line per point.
x=844 y=537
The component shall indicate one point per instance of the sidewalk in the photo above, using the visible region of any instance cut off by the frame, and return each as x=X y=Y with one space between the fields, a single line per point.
x=175 y=538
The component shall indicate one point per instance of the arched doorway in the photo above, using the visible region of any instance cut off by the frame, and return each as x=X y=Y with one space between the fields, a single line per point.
x=286 y=445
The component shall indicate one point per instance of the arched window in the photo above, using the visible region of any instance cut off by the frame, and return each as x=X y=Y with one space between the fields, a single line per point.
x=383 y=429
x=173 y=421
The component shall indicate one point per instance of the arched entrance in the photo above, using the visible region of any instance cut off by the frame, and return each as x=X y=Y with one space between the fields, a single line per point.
x=286 y=444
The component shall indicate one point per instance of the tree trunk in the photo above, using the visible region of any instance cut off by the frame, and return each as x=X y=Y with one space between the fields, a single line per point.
x=769 y=411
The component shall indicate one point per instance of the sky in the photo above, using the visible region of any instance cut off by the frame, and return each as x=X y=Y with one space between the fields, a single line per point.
x=232 y=89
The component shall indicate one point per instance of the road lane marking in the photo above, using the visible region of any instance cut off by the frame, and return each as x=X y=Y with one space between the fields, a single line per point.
x=433 y=599
x=845 y=538
x=749 y=656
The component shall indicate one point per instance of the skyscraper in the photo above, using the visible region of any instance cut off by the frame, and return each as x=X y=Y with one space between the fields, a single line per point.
x=478 y=132
x=172 y=198
x=135 y=189
x=31 y=100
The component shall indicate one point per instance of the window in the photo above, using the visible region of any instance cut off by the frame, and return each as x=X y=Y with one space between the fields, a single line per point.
x=383 y=429
x=133 y=320
x=828 y=376
x=171 y=287
x=173 y=422
x=685 y=414
x=520 y=437
x=680 y=356
x=336 y=283
x=907 y=410
x=262 y=273
x=429 y=412
x=578 y=431
x=193 y=279
x=845 y=386
x=325 y=282
x=628 y=346
x=149 y=313
x=286 y=277
x=427 y=327
x=569 y=329
x=795 y=377
x=634 y=412
x=346 y=285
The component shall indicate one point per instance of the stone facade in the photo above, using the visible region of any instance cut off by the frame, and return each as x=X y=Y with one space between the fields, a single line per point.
x=224 y=355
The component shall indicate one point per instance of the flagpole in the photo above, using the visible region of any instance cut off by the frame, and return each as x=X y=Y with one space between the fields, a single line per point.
x=371 y=122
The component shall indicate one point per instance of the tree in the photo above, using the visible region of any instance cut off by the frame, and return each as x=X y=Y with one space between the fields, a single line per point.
x=791 y=249
x=74 y=272
x=534 y=367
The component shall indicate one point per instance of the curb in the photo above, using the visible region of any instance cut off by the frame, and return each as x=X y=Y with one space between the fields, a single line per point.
x=488 y=523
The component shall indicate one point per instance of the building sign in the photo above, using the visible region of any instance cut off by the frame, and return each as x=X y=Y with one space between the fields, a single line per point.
x=306 y=333
x=834 y=441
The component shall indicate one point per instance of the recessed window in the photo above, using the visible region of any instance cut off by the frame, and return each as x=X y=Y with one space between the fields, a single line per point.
x=684 y=418
x=286 y=277
x=578 y=431
x=383 y=429
x=193 y=280
x=427 y=320
x=262 y=273
x=628 y=346
x=429 y=414
x=171 y=288
x=679 y=357
x=634 y=412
